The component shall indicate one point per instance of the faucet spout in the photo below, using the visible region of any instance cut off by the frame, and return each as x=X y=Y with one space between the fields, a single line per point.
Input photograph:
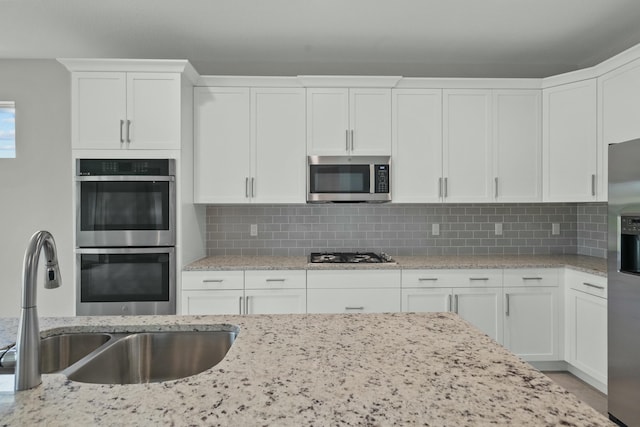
x=27 y=373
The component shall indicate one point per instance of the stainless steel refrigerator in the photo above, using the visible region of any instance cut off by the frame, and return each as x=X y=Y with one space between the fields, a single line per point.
x=623 y=259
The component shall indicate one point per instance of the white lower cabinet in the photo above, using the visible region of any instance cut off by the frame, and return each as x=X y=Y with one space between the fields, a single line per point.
x=531 y=322
x=532 y=313
x=353 y=291
x=212 y=302
x=275 y=292
x=475 y=295
x=239 y=292
x=586 y=325
x=482 y=307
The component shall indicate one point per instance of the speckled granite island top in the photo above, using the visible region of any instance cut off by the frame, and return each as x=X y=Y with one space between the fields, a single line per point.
x=291 y=370
x=578 y=262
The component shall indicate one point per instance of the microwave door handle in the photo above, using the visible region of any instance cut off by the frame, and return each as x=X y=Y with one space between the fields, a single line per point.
x=118 y=178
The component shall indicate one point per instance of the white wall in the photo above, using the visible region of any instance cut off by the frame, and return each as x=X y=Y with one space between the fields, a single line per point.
x=36 y=187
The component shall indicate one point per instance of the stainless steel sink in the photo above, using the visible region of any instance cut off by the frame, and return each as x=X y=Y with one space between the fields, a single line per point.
x=61 y=351
x=153 y=357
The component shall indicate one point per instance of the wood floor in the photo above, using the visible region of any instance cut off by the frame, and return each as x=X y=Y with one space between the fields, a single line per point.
x=582 y=390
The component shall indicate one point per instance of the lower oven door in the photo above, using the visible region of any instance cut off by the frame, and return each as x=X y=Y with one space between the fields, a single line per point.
x=113 y=281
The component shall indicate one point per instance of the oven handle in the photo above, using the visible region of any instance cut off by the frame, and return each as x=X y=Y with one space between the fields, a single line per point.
x=153 y=250
x=127 y=178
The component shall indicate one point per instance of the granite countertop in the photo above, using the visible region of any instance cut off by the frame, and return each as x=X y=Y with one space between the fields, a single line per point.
x=292 y=370
x=579 y=262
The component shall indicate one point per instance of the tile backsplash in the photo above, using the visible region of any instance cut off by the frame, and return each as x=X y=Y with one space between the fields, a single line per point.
x=406 y=229
x=592 y=229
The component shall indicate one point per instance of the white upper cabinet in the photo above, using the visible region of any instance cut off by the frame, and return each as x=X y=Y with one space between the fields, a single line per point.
x=116 y=110
x=278 y=145
x=249 y=145
x=417 y=146
x=467 y=146
x=348 y=121
x=619 y=114
x=517 y=135
x=569 y=142
x=222 y=145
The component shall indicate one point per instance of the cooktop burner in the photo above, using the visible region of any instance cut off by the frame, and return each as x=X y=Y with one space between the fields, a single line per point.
x=348 y=257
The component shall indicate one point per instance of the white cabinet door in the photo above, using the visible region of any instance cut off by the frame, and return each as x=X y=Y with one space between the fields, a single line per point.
x=517 y=130
x=370 y=121
x=531 y=325
x=426 y=299
x=587 y=333
x=467 y=146
x=327 y=121
x=378 y=300
x=482 y=307
x=98 y=110
x=277 y=139
x=212 y=302
x=619 y=114
x=153 y=111
x=417 y=146
x=569 y=142
x=348 y=121
x=275 y=301
x=222 y=145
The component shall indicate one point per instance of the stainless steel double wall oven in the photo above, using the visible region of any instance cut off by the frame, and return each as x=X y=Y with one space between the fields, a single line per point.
x=125 y=236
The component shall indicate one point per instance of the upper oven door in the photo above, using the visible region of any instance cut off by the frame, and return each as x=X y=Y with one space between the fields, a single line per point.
x=125 y=211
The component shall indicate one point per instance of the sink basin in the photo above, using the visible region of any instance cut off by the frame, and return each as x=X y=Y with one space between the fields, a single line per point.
x=153 y=357
x=61 y=351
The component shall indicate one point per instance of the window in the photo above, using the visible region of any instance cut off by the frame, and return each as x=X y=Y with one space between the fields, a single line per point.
x=7 y=130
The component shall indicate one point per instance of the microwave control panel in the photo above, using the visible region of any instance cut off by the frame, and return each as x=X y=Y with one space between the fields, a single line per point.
x=381 y=178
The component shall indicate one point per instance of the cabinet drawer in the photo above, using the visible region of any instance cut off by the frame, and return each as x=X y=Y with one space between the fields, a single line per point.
x=353 y=300
x=344 y=279
x=275 y=279
x=212 y=280
x=451 y=278
x=588 y=283
x=532 y=277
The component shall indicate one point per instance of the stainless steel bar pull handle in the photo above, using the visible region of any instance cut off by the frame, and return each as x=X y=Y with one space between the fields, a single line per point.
x=346 y=138
x=246 y=187
x=446 y=187
x=351 y=139
x=121 y=131
x=449 y=301
x=455 y=305
x=212 y=280
x=276 y=280
x=246 y=305
x=440 y=187
x=532 y=278
x=478 y=278
x=240 y=305
x=593 y=184
x=253 y=187
x=591 y=285
x=507 y=310
x=129 y=131
x=496 y=189
x=427 y=279
x=354 y=308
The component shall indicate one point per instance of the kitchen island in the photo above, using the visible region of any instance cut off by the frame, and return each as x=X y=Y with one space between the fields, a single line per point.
x=351 y=369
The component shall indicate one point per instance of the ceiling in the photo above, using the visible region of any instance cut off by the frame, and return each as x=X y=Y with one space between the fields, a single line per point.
x=411 y=38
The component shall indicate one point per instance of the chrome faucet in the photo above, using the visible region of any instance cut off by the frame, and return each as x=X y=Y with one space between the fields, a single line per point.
x=27 y=373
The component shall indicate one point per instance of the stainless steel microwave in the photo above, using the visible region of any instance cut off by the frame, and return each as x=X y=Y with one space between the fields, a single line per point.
x=348 y=179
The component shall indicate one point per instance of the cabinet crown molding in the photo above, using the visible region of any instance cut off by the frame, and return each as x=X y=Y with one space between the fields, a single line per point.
x=350 y=81
x=131 y=65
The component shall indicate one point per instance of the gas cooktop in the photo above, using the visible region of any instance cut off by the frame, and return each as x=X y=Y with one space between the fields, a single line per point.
x=349 y=257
